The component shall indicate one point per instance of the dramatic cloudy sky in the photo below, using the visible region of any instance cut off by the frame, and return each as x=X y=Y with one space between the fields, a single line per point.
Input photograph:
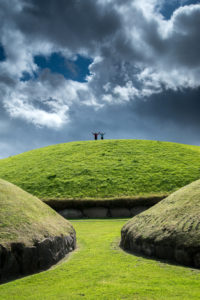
x=130 y=68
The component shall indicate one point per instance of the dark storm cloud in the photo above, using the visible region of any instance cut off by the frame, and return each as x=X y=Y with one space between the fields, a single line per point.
x=7 y=80
x=186 y=37
x=73 y=23
x=182 y=108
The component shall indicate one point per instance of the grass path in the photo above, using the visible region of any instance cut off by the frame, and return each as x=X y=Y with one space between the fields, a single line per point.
x=100 y=270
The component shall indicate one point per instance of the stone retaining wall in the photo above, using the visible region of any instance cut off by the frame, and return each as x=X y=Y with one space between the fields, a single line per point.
x=19 y=260
x=168 y=249
x=80 y=204
x=102 y=212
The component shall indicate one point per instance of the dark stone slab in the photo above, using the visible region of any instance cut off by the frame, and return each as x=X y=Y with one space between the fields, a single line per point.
x=183 y=257
x=120 y=212
x=197 y=260
x=19 y=260
x=71 y=213
x=164 y=251
x=96 y=212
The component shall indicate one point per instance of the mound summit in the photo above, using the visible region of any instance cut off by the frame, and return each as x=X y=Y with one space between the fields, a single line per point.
x=103 y=169
x=170 y=229
x=32 y=235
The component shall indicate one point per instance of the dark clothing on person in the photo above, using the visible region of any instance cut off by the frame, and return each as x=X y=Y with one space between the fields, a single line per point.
x=95 y=135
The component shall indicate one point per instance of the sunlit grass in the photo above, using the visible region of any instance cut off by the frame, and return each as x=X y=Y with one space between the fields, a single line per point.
x=24 y=218
x=99 y=269
x=103 y=169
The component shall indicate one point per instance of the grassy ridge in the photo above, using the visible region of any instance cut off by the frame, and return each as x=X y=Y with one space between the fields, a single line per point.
x=24 y=218
x=100 y=270
x=175 y=221
x=103 y=169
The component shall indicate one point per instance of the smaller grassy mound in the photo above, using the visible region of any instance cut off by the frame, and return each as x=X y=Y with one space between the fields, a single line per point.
x=170 y=229
x=24 y=218
x=29 y=231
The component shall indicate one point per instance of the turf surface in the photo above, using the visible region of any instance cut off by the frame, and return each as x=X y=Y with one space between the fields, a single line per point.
x=26 y=219
x=100 y=270
x=103 y=169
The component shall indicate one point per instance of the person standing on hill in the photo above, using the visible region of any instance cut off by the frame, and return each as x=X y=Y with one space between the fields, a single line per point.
x=102 y=135
x=95 y=135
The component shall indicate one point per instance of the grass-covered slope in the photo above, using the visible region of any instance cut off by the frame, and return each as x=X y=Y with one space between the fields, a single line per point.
x=26 y=219
x=32 y=235
x=170 y=229
x=103 y=169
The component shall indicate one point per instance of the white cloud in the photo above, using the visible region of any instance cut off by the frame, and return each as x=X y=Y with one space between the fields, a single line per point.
x=137 y=56
x=39 y=117
x=126 y=92
x=47 y=100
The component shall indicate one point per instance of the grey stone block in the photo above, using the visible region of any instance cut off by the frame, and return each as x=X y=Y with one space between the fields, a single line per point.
x=95 y=212
x=182 y=256
x=71 y=213
x=164 y=251
x=197 y=260
x=120 y=212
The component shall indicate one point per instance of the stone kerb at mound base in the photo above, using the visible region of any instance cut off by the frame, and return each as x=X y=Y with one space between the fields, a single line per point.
x=19 y=260
x=169 y=230
x=189 y=256
x=105 y=208
x=102 y=212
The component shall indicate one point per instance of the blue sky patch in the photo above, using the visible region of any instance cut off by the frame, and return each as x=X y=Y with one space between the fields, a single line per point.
x=26 y=76
x=76 y=70
x=170 y=6
x=2 y=53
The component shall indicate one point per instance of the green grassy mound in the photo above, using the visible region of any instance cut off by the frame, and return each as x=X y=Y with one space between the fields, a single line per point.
x=32 y=235
x=103 y=169
x=170 y=229
x=24 y=218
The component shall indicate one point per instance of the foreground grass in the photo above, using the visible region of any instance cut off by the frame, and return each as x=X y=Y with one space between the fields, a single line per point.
x=100 y=270
x=103 y=169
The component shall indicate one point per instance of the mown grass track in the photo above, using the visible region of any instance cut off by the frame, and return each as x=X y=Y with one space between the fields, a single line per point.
x=99 y=269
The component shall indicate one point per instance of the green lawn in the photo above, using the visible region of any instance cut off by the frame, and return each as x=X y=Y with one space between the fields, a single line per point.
x=103 y=169
x=100 y=270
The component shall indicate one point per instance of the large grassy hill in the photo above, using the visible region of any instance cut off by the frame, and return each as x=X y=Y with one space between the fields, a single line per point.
x=170 y=229
x=103 y=169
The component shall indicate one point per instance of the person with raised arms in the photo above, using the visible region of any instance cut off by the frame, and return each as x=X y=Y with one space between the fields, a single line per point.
x=95 y=135
x=102 y=135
